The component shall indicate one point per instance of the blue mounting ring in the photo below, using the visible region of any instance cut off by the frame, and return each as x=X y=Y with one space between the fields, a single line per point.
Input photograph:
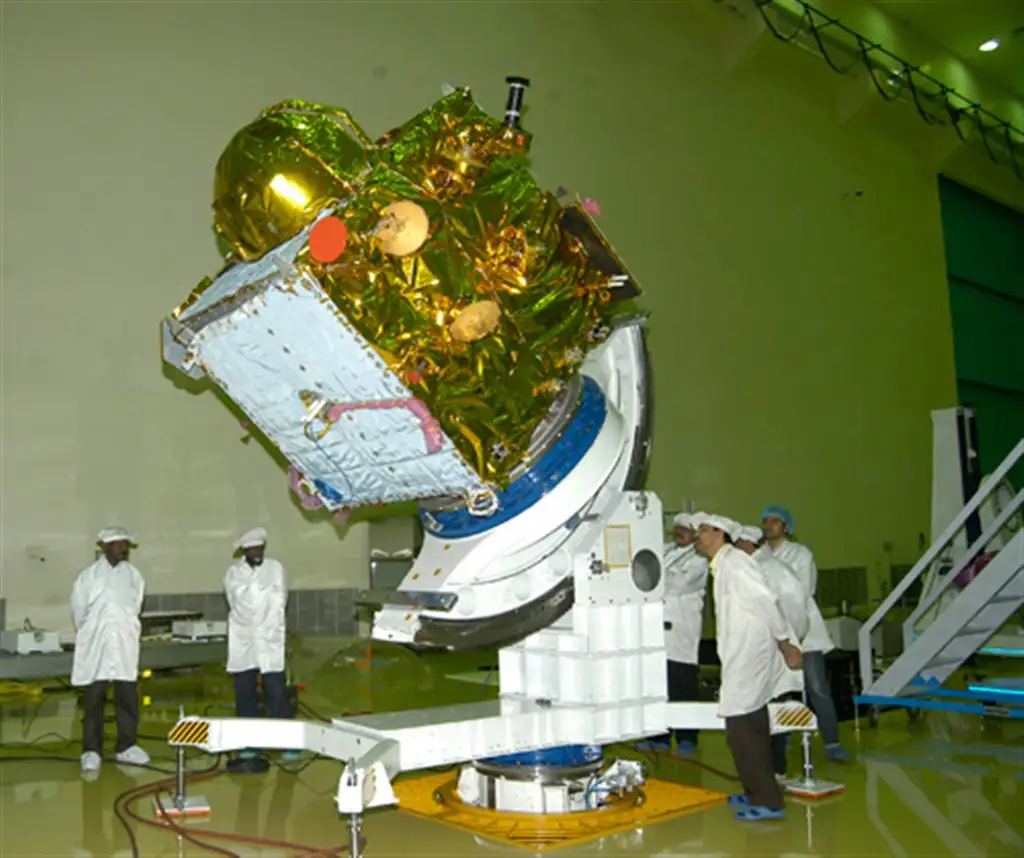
x=563 y=757
x=564 y=455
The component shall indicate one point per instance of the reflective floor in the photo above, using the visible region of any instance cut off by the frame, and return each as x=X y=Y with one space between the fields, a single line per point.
x=949 y=785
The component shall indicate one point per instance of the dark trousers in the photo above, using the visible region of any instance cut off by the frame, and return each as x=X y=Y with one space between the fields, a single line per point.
x=819 y=697
x=126 y=706
x=780 y=741
x=780 y=748
x=682 y=688
x=750 y=741
x=247 y=695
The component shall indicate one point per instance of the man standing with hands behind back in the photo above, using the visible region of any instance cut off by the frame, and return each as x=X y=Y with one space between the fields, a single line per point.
x=777 y=524
x=257 y=594
x=106 y=601
x=760 y=660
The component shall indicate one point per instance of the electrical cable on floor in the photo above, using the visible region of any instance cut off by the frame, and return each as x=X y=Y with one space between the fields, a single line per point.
x=124 y=803
x=57 y=758
x=64 y=741
x=125 y=811
x=658 y=756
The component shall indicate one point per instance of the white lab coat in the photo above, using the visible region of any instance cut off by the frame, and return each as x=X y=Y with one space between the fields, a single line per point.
x=816 y=638
x=793 y=599
x=105 y=605
x=799 y=558
x=256 y=623
x=750 y=624
x=686 y=576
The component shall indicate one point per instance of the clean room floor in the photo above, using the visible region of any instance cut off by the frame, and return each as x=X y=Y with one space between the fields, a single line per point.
x=951 y=785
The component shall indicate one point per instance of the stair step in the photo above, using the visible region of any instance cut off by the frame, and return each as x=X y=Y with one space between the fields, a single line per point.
x=967 y=631
x=942 y=662
x=958 y=630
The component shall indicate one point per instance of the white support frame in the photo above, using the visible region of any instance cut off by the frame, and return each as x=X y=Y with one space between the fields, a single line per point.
x=376 y=748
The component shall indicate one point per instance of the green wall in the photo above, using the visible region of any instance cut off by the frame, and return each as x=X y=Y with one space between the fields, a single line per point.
x=793 y=266
x=985 y=262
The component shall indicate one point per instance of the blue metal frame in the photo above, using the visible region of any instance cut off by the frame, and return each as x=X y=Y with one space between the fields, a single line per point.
x=972 y=708
x=564 y=455
x=564 y=756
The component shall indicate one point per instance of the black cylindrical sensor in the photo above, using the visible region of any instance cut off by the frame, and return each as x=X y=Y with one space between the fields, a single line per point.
x=514 y=105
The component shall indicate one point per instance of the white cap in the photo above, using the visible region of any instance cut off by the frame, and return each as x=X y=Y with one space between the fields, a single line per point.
x=254 y=537
x=114 y=534
x=751 y=534
x=720 y=522
x=684 y=519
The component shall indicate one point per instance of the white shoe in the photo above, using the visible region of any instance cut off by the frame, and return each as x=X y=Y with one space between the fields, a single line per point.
x=91 y=762
x=134 y=756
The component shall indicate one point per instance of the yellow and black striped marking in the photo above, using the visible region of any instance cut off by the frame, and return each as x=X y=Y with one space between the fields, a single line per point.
x=189 y=733
x=795 y=716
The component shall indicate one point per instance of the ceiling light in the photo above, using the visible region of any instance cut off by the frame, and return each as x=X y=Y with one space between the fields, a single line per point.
x=990 y=45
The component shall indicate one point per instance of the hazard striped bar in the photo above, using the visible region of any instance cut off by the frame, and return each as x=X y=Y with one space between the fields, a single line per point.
x=190 y=732
x=794 y=716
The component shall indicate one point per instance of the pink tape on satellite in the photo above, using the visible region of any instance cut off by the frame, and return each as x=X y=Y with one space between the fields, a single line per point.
x=432 y=434
x=312 y=502
x=308 y=501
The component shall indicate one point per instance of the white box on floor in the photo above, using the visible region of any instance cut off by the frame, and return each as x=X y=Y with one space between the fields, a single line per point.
x=199 y=630
x=27 y=642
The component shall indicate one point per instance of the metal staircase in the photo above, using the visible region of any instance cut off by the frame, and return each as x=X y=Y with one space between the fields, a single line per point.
x=961 y=622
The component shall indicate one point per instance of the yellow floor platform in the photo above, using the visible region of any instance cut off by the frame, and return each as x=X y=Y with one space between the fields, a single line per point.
x=434 y=797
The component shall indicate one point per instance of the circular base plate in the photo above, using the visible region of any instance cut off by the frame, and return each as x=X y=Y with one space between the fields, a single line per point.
x=435 y=797
x=548 y=766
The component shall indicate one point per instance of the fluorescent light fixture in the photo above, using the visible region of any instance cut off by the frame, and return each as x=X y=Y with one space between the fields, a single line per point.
x=990 y=45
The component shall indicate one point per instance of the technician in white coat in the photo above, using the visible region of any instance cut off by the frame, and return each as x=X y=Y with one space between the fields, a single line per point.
x=759 y=658
x=777 y=522
x=106 y=600
x=257 y=594
x=686 y=574
x=797 y=607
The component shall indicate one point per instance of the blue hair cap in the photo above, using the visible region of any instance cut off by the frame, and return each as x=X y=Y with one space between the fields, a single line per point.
x=778 y=512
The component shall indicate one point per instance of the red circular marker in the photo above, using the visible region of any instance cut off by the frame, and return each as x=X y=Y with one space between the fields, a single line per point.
x=327 y=239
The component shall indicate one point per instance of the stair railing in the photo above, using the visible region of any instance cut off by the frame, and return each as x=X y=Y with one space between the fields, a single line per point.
x=944 y=582
x=866 y=650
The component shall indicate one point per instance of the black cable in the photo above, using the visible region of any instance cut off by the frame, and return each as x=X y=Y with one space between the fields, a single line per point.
x=1012 y=146
x=63 y=740
x=815 y=31
x=56 y=758
x=133 y=842
x=210 y=707
x=865 y=47
x=985 y=121
x=657 y=757
x=762 y=5
x=295 y=770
